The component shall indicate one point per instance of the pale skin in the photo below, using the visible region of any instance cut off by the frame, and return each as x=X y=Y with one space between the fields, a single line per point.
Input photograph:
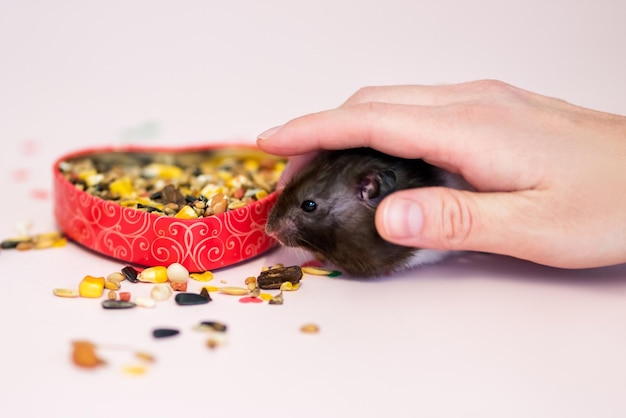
x=549 y=177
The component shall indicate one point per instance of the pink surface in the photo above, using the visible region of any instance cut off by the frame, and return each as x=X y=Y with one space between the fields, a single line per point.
x=476 y=336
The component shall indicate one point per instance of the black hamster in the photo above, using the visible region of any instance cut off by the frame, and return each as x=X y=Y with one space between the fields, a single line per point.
x=328 y=209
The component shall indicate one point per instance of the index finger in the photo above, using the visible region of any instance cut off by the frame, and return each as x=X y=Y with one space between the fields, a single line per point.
x=428 y=132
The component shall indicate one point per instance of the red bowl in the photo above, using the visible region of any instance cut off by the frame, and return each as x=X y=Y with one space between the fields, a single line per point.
x=148 y=239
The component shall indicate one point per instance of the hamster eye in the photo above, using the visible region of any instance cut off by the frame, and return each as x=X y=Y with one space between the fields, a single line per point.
x=308 y=206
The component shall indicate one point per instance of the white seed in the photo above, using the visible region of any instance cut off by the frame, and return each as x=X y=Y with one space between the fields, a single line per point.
x=176 y=272
x=145 y=302
x=160 y=292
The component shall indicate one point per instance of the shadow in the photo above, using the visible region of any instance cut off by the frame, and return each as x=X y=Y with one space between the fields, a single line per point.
x=475 y=265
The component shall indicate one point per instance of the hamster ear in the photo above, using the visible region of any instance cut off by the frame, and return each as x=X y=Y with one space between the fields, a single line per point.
x=373 y=186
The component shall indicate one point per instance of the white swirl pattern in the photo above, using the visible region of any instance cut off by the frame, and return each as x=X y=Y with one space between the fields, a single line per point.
x=146 y=239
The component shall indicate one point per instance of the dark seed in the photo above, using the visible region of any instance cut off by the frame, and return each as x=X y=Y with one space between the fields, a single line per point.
x=164 y=332
x=205 y=293
x=156 y=195
x=277 y=300
x=130 y=274
x=190 y=299
x=273 y=278
x=215 y=326
x=10 y=244
x=117 y=304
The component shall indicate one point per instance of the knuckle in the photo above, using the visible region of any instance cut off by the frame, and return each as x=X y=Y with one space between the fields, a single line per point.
x=457 y=218
x=493 y=87
x=363 y=95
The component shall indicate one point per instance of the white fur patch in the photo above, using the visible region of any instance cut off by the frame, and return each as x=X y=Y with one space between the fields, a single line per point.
x=422 y=257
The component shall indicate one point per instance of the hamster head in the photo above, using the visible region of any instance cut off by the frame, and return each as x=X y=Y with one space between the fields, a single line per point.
x=329 y=208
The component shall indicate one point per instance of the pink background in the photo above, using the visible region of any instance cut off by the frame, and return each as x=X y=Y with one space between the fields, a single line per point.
x=477 y=335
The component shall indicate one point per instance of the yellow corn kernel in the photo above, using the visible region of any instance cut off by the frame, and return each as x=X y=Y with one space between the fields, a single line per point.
x=225 y=175
x=186 y=212
x=61 y=242
x=91 y=287
x=157 y=274
x=122 y=187
x=251 y=165
x=164 y=171
x=85 y=174
x=279 y=167
x=260 y=194
x=288 y=286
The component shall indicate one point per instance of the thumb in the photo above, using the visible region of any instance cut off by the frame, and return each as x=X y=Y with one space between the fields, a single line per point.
x=449 y=219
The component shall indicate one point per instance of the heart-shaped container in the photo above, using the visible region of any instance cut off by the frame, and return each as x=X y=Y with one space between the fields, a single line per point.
x=149 y=239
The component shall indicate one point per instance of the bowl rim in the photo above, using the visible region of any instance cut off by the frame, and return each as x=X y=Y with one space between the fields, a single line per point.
x=157 y=149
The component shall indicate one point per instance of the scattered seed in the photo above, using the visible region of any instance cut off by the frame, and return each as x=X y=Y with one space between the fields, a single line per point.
x=131 y=274
x=205 y=293
x=266 y=296
x=190 y=299
x=135 y=370
x=288 y=286
x=316 y=271
x=277 y=300
x=176 y=272
x=214 y=326
x=212 y=343
x=233 y=290
x=117 y=304
x=273 y=278
x=111 y=285
x=160 y=292
x=116 y=277
x=84 y=355
x=112 y=295
x=145 y=302
x=155 y=274
x=26 y=242
x=164 y=332
x=147 y=357
x=91 y=287
x=124 y=296
x=310 y=328
x=65 y=293
x=202 y=277
x=25 y=246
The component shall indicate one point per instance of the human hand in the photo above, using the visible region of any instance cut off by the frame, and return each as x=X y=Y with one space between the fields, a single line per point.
x=550 y=177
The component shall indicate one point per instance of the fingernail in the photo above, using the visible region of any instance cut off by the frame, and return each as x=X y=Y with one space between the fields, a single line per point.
x=402 y=218
x=267 y=134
